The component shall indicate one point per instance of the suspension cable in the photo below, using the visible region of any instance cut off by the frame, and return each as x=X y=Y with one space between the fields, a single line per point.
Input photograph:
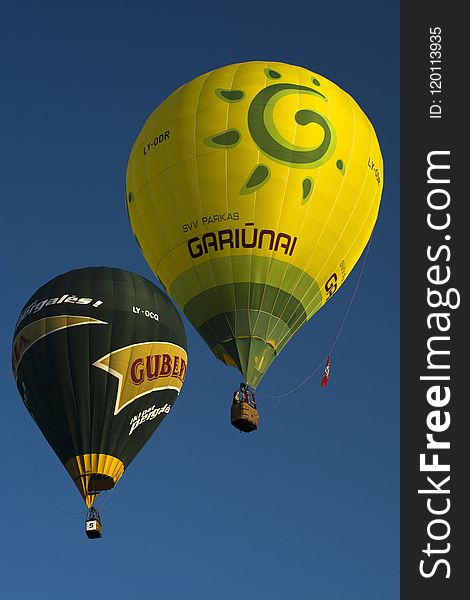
x=37 y=471
x=315 y=371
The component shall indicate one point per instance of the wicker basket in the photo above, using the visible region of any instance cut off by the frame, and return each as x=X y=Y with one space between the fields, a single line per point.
x=244 y=416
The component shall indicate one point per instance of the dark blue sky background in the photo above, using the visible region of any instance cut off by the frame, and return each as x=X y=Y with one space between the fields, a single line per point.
x=307 y=507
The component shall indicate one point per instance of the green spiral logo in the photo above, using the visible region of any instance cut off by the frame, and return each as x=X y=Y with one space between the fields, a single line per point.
x=266 y=136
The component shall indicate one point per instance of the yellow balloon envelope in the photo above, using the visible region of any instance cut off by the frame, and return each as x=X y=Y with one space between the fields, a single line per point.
x=252 y=192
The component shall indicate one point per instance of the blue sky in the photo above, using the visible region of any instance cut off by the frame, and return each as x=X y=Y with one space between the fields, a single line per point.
x=308 y=507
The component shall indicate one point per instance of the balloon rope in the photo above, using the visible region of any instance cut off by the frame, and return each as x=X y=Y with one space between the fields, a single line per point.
x=354 y=294
x=337 y=336
x=37 y=470
x=225 y=369
x=100 y=495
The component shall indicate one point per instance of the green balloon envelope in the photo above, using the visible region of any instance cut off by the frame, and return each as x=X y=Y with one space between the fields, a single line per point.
x=99 y=358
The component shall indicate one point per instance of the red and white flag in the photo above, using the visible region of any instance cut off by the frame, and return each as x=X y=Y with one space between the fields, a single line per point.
x=326 y=373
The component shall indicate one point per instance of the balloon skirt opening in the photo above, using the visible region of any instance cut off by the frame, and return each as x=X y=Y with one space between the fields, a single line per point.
x=93 y=473
x=251 y=356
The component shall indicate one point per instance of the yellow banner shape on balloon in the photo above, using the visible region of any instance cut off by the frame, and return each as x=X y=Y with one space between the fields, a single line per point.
x=143 y=368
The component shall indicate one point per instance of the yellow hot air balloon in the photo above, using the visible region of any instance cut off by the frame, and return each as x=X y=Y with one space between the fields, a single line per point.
x=252 y=192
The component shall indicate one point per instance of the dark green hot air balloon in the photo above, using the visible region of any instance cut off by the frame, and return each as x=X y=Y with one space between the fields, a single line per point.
x=99 y=358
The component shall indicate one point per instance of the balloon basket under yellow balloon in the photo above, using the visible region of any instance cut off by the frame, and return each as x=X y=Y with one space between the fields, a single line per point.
x=244 y=417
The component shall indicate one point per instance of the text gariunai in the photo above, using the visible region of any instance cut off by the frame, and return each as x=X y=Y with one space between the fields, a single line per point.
x=245 y=237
